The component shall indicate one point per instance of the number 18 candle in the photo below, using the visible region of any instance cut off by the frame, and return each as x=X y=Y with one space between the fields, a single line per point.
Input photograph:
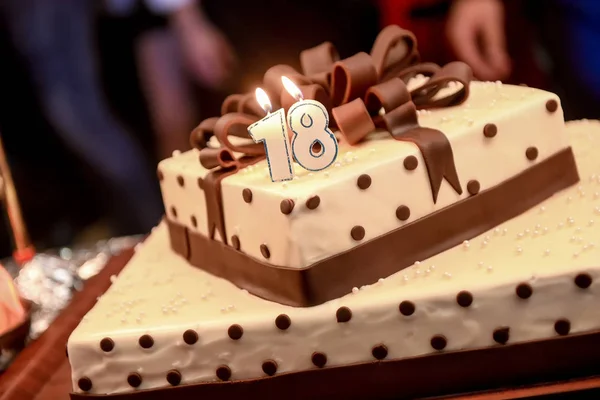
x=272 y=131
x=314 y=146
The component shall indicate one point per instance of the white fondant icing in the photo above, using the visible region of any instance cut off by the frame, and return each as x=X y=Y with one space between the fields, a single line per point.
x=307 y=236
x=160 y=294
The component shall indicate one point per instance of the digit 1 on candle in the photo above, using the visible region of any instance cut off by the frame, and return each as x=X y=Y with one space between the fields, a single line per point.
x=273 y=133
x=314 y=146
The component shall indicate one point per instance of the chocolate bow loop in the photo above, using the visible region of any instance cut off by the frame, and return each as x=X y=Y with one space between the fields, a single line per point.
x=236 y=124
x=425 y=69
x=394 y=50
x=387 y=96
x=218 y=157
x=317 y=64
x=318 y=59
x=352 y=78
x=353 y=121
x=454 y=73
x=202 y=133
x=231 y=103
x=232 y=124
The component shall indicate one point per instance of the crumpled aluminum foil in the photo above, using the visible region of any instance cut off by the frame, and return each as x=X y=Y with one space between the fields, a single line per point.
x=50 y=279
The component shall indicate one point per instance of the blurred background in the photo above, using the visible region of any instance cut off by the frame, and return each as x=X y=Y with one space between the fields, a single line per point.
x=95 y=93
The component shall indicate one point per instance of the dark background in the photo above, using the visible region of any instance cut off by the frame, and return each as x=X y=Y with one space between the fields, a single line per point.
x=55 y=187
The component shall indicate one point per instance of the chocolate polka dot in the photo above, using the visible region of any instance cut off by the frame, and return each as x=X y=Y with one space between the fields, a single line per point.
x=194 y=221
x=319 y=359
x=174 y=211
x=201 y=183
x=283 y=322
x=343 y=314
x=107 y=345
x=269 y=367
x=490 y=130
x=224 y=373
x=583 y=281
x=247 y=195
x=562 y=327
x=235 y=242
x=403 y=213
x=235 y=332
x=531 y=153
x=264 y=250
x=146 y=341
x=180 y=181
x=439 y=342
x=313 y=202
x=174 y=377
x=358 y=233
x=501 y=335
x=134 y=379
x=524 y=290
x=411 y=163
x=160 y=174
x=190 y=337
x=379 y=352
x=551 y=105
x=85 y=384
x=363 y=182
x=464 y=298
x=473 y=187
x=407 y=308
x=286 y=206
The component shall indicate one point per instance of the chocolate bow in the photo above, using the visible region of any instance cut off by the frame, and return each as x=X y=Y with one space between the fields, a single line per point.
x=362 y=93
x=363 y=85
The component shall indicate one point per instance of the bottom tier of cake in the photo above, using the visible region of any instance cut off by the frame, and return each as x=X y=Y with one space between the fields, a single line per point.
x=507 y=306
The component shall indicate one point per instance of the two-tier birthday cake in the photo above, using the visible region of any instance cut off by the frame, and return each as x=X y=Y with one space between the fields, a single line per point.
x=448 y=240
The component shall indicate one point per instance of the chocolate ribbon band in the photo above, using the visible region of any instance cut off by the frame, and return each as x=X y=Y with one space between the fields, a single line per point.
x=224 y=156
x=363 y=92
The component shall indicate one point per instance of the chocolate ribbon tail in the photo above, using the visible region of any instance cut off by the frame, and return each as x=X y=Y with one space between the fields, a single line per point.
x=214 y=202
x=438 y=156
x=403 y=124
x=213 y=193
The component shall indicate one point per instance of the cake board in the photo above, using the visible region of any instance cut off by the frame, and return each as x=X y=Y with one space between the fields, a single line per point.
x=42 y=370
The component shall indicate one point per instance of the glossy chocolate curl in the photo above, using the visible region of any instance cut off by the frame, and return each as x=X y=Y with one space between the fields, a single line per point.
x=202 y=133
x=354 y=121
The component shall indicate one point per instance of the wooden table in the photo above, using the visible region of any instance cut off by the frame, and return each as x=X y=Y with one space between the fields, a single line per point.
x=42 y=371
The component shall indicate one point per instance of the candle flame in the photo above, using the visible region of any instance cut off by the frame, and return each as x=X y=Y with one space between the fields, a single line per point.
x=291 y=88
x=263 y=100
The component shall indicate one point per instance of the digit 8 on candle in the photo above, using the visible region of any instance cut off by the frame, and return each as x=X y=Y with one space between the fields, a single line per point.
x=313 y=145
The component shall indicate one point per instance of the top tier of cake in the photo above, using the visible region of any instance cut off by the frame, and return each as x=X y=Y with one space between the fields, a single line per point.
x=301 y=222
x=376 y=187
x=475 y=155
